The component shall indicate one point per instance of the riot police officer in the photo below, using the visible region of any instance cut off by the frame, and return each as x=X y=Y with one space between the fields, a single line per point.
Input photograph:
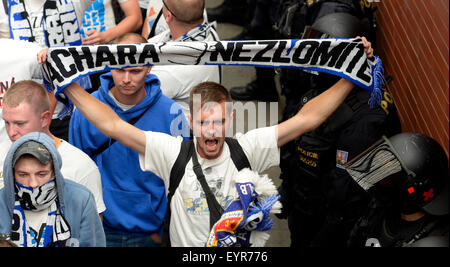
x=321 y=201
x=407 y=178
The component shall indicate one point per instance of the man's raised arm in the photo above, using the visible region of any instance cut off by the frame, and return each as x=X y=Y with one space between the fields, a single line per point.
x=102 y=116
x=318 y=109
x=105 y=119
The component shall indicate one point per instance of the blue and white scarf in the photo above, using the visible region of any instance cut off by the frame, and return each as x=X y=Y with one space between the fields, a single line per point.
x=56 y=231
x=199 y=33
x=59 y=23
x=342 y=57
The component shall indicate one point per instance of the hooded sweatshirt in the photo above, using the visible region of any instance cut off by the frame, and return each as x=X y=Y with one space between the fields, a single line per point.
x=75 y=202
x=135 y=200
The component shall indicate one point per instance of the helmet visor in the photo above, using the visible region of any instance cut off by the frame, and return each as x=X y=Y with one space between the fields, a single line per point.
x=310 y=33
x=381 y=162
x=374 y=164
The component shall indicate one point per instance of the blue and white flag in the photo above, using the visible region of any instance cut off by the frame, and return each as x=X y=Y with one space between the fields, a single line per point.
x=56 y=26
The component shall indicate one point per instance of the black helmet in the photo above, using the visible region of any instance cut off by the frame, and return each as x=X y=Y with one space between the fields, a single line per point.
x=334 y=25
x=415 y=163
x=426 y=166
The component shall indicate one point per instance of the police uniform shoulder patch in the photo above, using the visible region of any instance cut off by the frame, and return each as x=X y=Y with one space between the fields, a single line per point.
x=341 y=158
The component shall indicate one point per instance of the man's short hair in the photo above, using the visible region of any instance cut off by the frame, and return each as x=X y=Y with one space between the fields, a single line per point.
x=130 y=38
x=187 y=11
x=30 y=92
x=209 y=92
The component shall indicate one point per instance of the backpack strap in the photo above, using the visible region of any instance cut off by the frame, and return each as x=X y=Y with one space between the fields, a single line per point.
x=238 y=156
x=111 y=141
x=5 y=6
x=117 y=10
x=215 y=209
x=177 y=172
x=155 y=22
x=179 y=167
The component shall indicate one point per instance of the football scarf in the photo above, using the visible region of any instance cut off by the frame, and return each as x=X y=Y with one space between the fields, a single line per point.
x=342 y=57
x=59 y=23
x=197 y=34
x=55 y=232
x=246 y=220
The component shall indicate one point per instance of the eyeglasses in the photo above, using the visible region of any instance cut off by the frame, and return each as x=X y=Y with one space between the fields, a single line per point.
x=164 y=3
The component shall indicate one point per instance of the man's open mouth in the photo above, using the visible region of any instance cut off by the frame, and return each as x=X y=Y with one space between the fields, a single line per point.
x=211 y=144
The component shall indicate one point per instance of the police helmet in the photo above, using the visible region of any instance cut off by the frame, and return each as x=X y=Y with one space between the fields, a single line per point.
x=334 y=25
x=414 y=163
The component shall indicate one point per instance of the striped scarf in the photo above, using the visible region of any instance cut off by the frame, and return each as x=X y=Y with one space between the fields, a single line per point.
x=56 y=230
x=59 y=23
x=342 y=57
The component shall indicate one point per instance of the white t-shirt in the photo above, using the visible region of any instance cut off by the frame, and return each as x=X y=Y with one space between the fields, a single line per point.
x=18 y=62
x=4 y=23
x=99 y=16
x=153 y=9
x=143 y=3
x=35 y=220
x=76 y=166
x=80 y=168
x=190 y=215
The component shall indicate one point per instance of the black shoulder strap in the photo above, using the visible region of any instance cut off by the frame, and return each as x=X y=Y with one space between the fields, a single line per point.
x=215 y=209
x=109 y=142
x=177 y=172
x=432 y=224
x=153 y=30
x=238 y=156
x=5 y=6
x=117 y=11
x=179 y=167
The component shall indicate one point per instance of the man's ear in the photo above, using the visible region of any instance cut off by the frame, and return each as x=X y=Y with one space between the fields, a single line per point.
x=230 y=118
x=46 y=119
x=168 y=17
x=189 y=118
